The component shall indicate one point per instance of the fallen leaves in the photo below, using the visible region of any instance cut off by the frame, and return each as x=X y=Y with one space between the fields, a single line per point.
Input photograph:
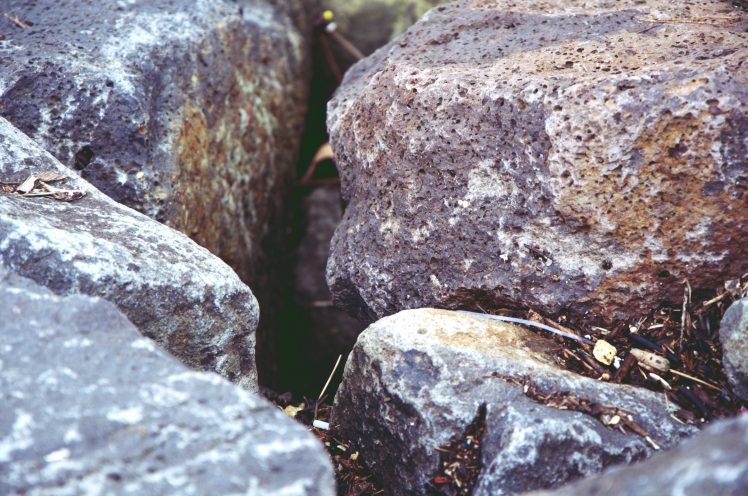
x=39 y=185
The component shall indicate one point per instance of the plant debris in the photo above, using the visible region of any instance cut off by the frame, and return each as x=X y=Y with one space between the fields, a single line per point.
x=460 y=460
x=610 y=416
x=675 y=350
x=39 y=185
x=18 y=22
x=352 y=476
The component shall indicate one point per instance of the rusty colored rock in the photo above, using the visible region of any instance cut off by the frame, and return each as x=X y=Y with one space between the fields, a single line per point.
x=563 y=157
x=189 y=111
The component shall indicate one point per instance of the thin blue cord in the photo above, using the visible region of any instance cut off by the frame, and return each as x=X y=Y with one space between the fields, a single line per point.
x=514 y=320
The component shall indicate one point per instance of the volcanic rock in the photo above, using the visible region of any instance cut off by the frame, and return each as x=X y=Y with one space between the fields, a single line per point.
x=173 y=290
x=583 y=158
x=421 y=383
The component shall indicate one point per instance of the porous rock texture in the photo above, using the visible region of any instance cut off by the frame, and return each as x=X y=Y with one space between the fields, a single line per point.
x=714 y=461
x=733 y=334
x=173 y=290
x=91 y=407
x=582 y=157
x=188 y=111
x=416 y=380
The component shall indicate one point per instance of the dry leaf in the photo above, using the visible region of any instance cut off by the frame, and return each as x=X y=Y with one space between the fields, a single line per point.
x=291 y=410
x=604 y=352
x=50 y=176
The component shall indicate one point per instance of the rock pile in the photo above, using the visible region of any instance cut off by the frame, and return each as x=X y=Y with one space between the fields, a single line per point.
x=418 y=381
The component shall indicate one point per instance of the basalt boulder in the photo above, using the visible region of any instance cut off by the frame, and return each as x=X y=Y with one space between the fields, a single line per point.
x=190 y=112
x=92 y=407
x=579 y=158
x=427 y=394
x=173 y=290
x=733 y=334
x=715 y=461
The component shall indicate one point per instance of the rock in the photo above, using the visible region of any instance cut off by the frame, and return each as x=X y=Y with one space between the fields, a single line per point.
x=418 y=379
x=173 y=290
x=568 y=158
x=91 y=407
x=715 y=461
x=188 y=111
x=369 y=24
x=733 y=333
x=322 y=331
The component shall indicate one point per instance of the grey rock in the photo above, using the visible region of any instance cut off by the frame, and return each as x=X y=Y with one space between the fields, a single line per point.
x=173 y=290
x=581 y=158
x=733 y=333
x=91 y=407
x=188 y=111
x=714 y=461
x=417 y=379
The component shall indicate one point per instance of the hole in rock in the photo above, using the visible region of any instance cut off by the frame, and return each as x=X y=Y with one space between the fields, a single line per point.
x=83 y=157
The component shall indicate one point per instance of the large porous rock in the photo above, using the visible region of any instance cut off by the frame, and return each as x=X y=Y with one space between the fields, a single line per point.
x=173 y=290
x=91 y=407
x=188 y=111
x=733 y=334
x=715 y=461
x=424 y=379
x=369 y=24
x=585 y=157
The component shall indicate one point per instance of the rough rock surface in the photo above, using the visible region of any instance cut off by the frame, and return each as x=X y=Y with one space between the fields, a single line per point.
x=173 y=290
x=715 y=461
x=584 y=157
x=733 y=334
x=188 y=111
x=417 y=379
x=91 y=407
x=369 y=24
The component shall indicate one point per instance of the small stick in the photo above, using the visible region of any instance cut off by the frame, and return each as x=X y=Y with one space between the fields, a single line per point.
x=340 y=357
x=622 y=372
x=330 y=58
x=695 y=379
x=714 y=300
x=18 y=22
x=347 y=45
x=322 y=393
x=685 y=318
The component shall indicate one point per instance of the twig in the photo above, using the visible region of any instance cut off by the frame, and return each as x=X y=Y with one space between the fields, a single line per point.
x=346 y=45
x=322 y=393
x=695 y=379
x=18 y=22
x=330 y=58
x=714 y=300
x=685 y=318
